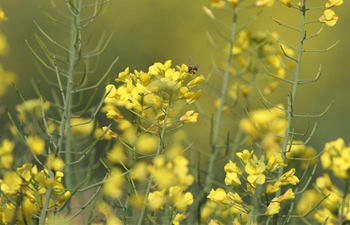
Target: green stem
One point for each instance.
(291, 102)
(220, 111)
(150, 180)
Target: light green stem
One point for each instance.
(220, 111)
(65, 134)
(74, 49)
(292, 97)
(150, 180)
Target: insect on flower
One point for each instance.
(192, 69)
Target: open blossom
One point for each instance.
(273, 208)
(329, 18)
(189, 117)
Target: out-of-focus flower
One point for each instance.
(156, 200)
(286, 2)
(217, 4)
(114, 184)
(6, 156)
(36, 145)
(332, 3)
(336, 156)
(147, 143)
(179, 199)
(208, 12)
(262, 3)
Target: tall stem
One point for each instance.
(292, 95)
(150, 180)
(220, 111)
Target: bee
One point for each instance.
(192, 69)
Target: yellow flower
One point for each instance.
(113, 114)
(336, 157)
(82, 126)
(299, 150)
(6, 157)
(112, 93)
(63, 198)
(274, 163)
(234, 198)
(232, 179)
(261, 3)
(136, 201)
(217, 195)
(245, 155)
(273, 208)
(329, 18)
(217, 4)
(32, 106)
(178, 218)
(286, 2)
(322, 215)
(124, 76)
(179, 199)
(195, 81)
(146, 143)
(2, 16)
(332, 3)
(55, 163)
(117, 154)
(36, 145)
(114, 184)
(256, 172)
(189, 117)
(286, 196)
(6, 77)
(162, 173)
(308, 200)
(106, 210)
(324, 182)
(288, 178)
(270, 189)
(231, 167)
(156, 200)
(139, 171)
(12, 182)
(233, 3)
(213, 222)
(3, 50)
(194, 97)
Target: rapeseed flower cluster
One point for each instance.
(24, 193)
(150, 96)
(257, 172)
(154, 99)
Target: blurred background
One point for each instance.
(148, 31)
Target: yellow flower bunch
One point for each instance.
(24, 193)
(336, 156)
(151, 94)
